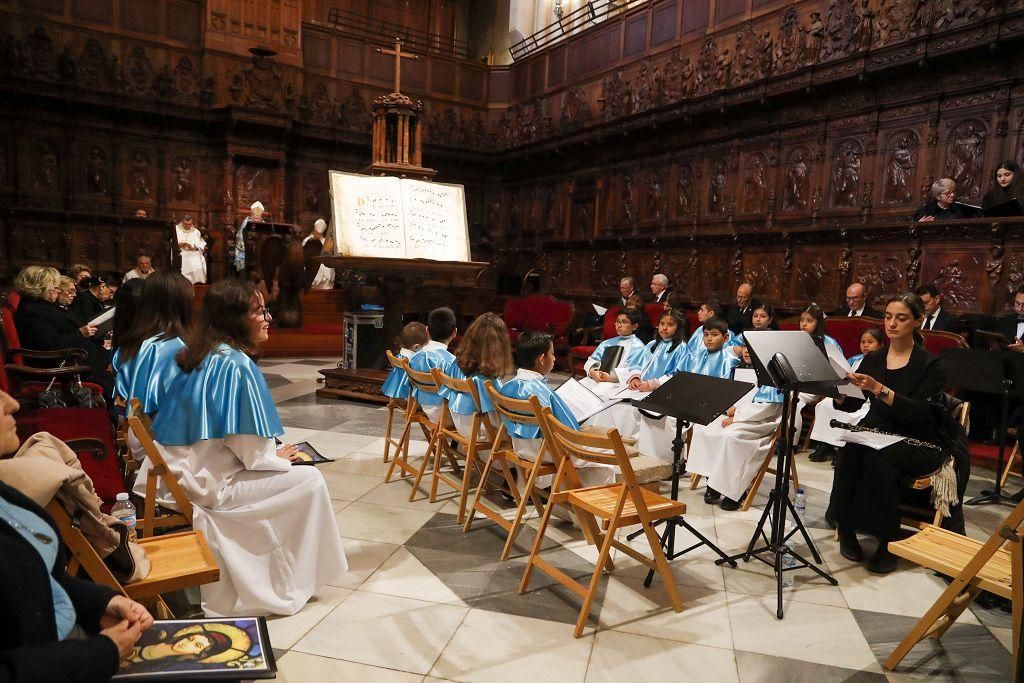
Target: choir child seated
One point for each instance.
(633, 352)
(441, 328)
(484, 353)
(716, 360)
(812, 321)
(709, 309)
(730, 449)
(668, 355)
(535, 357)
(412, 339)
(763, 319)
(270, 525)
(823, 433)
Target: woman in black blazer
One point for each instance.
(30, 649)
(44, 326)
(904, 385)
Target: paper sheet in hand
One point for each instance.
(628, 394)
(870, 439)
(600, 310)
(582, 402)
(842, 368)
(104, 322)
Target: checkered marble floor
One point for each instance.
(424, 602)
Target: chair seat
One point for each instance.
(948, 553)
(600, 501)
(179, 560)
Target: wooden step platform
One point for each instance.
(361, 385)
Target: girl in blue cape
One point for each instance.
(633, 351)
(270, 525)
(669, 355)
(729, 450)
(484, 353)
(144, 362)
(414, 336)
(535, 356)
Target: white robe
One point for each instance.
(324, 278)
(193, 263)
(730, 456)
(270, 525)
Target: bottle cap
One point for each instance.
(800, 490)
(122, 496)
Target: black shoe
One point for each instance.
(822, 453)
(883, 562)
(728, 504)
(849, 546)
(711, 496)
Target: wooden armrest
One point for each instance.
(45, 373)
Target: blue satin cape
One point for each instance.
(226, 394)
(664, 362)
(636, 353)
(425, 360)
(717, 364)
(149, 374)
(397, 383)
(460, 402)
(523, 388)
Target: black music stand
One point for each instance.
(794, 365)
(689, 398)
(999, 373)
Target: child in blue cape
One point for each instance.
(413, 338)
(441, 327)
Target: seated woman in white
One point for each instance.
(823, 433)
(729, 450)
(270, 525)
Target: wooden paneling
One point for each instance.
(442, 77)
(696, 14)
(729, 9)
(636, 35)
(316, 51)
(556, 67)
(97, 11)
(663, 23)
(184, 21)
(471, 82)
(141, 15)
(350, 58)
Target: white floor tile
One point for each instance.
(382, 523)
(619, 657)
(348, 486)
(298, 667)
(405, 576)
(364, 557)
(286, 631)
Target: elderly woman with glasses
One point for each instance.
(942, 206)
(270, 524)
(44, 326)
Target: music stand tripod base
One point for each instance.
(676, 399)
(795, 365)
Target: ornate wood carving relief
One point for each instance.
(965, 158)
(901, 154)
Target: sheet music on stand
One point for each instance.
(581, 401)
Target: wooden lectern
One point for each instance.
(397, 151)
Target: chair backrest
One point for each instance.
(463, 386)
(393, 360)
(608, 329)
(10, 330)
(512, 409)
(600, 448)
(420, 381)
(81, 550)
(848, 331)
(141, 427)
(936, 342)
(653, 312)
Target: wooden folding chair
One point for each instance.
(503, 452)
(414, 415)
(423, 383)
(622, 504)
(180, 560)
(451, 443)
(154, 516)
(394, 404)
(974, 566)
(1014, 458)
(924, 483)
(766, 467)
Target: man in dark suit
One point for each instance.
(663, 293)
(741, 316)
(857, 304)
(1011, 325)
(935, 316)
(627, 288)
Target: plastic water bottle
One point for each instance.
(125, 511)
(800, 503)
(788, 561)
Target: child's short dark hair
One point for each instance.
(413, 334)
(876, 333)
(635, 315)
(529, 346)
(441, 323)
(716, 308)
(716, 323)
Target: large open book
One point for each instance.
(388, 217)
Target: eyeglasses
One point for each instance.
(262, 311)
(948, 193)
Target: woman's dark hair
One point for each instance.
(770, 312)
(916, 306)
(223, 319)
(876, 333)
(1015, 190)
(530, 345)
(484, 349)
(164, 311)
(682, 331)
(127, 306)
(219, 643)
(814, 310)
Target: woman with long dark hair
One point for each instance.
(903, 383)
(484, 353)
(270, 524)
(1007, 185)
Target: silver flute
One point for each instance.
(836, 424)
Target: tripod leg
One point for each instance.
(803, 531)
(705, 541)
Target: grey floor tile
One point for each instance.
(755, 668)
(965, 653)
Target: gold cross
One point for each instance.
(397, 52)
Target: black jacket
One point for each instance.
(45, 326)
(1007, 326)
(740, 321)
(932, 208)
(868, 312)
(86, 306)
(945, 322)
(29, 649)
